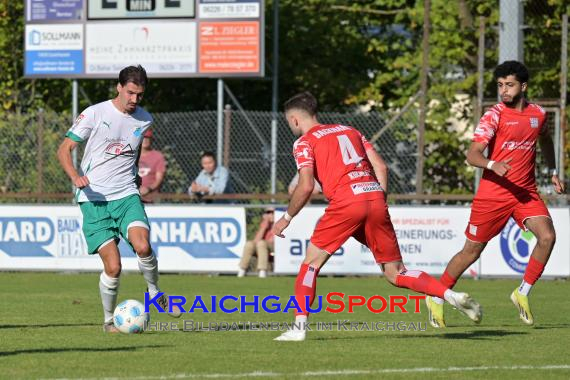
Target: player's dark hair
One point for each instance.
(511, 68)
(133, 74)
(208, 154)
(305, 101)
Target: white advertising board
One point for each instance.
(164, 47)
(428, 237)
(54, 48)
(185, 239)
(508, 253)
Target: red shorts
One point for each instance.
(367, 221)
(489, 216)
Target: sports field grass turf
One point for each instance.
(50, 327)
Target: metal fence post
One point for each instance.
(40, 160)
(423, 98)
(227, 132)
(563, 89)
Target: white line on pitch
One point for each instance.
(347, 372)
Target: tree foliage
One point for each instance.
(362, 54)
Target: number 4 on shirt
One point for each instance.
(349, 155)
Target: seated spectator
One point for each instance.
(152, 168)
(293, 184)
(261, 245)
(213, 179)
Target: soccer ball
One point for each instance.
(129, 317)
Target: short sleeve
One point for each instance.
(82, 127)
(544, 126)
(365, 142)
(487, 127)
(303, 153)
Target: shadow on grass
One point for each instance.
(47, 325)
(468, 335)
(480, 334)
(76, 349)
(548, 326)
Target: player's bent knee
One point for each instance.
(113, 270)
(547, 239)
(142, 248)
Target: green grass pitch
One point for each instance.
(50, 327)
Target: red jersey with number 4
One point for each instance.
(510, 133)
(337, 154)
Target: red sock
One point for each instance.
(420, 282)
(447, 280)
(533, 271)
(306, 285)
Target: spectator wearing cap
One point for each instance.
(152, 168)
(261, 245)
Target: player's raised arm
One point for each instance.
(379, 166)
(475, 157)
(547, 148)
(64, 157)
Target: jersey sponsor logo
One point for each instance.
(108, 125)
(358, 174)
(516, 246)
(534, 122)
(512, 123)
(365, 187)
(327, 131)
(118, 149)
(518, 145)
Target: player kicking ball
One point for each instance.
(107, 192)
(355, 179)
(507, 189)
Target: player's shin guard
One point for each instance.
(447, 280)
(420, 282)
(306, 285)
(533, 271)
(149, 268)
(108, 287)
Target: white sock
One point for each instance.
(149, 268)
(438, 300)
(525, 288)
(241, 272)
(108, 287)
(300, 322)
(449, 295)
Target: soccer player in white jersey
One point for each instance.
(107, 191)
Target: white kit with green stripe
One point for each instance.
(113, 141)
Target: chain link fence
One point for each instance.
(247, 147)
(29, 166)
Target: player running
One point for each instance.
(507, 189)
(107, 192)
(354, 178)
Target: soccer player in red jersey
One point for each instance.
(354, 178)
(507, 189)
